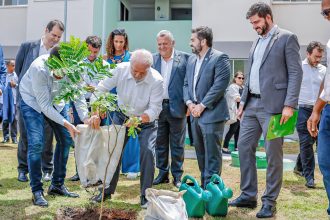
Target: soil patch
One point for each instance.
(69, 213)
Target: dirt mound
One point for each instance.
(94, 213)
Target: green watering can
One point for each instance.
(218, 205)
(195, 197)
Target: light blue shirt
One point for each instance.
(38, 89)
(258, 54)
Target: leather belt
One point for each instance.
(306, 106)
(255, 95)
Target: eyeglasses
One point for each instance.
(240, 77)
(325, 12)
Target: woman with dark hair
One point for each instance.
(117, 47)
(117, 52)
(233, 97)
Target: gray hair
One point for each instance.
(142, 56)
(166, 33)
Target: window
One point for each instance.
(13, 2)
(295, 1)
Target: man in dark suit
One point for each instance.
(171, 64)
(27, 53)
(207, 77)
(272, 87)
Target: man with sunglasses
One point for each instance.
(323, 103)
(272, 87)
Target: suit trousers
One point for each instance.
(207, 142)
(306, 142)
(170, 135)
(147, 138)
(254, 123)
(47, 152)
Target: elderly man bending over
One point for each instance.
(140, 92)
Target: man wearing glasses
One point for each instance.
(323, 102)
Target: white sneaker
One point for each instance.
(132, 176)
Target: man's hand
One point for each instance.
(93, 121)
(198, 110)
(145, 118)
(191, 107)
(239, 112)
(312, 123)
(0, 92)
(286, 114)
(12, 84)
(71, 128)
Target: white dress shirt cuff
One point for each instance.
(188, 102)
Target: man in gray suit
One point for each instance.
(272, 87)
(171, 64)
(27, 53)
(207, 78)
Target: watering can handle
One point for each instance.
(192, 179)
(216, 177)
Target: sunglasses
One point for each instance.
(325, 12)
(240, 77)
(119, 31)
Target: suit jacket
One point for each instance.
(178, 108)
(212, 82)
(280, 73)
(27, 53)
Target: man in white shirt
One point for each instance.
(313, 75)
(8, 100)
(27, 53)
(38, 88)
(140, 93)
(323, 102)
(171, 64)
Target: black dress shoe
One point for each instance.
(98, 198)
(47, 177)
(22, 177)
(161, 179)
(243, 203)
(310, 184)
(267, 211)
(143, 202)
(177, 182)
(39, 199)
(74, 178)
(61, 191)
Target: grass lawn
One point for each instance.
(295, 200)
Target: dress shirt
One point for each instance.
(166, 70)
(258, 54)
(199, 62)
(325, 95)
(11, 77)
(38, 89)
(135, 97)
(42, 49)
(310, 85)
(91, 82)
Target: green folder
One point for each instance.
(276, 130)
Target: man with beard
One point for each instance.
(323, 103)
(313, 74)
(272, 87)
(207, 77)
